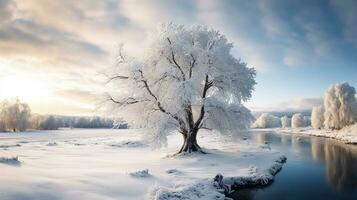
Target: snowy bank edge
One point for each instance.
(206, 189)
(344, 135)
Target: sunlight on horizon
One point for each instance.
(25, 88)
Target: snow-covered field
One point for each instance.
(347, 134)
(117, 164)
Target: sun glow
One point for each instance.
(23, 87)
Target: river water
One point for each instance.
(316, 168)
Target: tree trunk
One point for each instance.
(190, 143)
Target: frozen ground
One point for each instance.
(117, 164)
(347, 134)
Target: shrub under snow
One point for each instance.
(267, 121)
(317, 117)
(10, 160)
(297, 121)
(285, 122)
(340, 106)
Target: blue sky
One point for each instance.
(52, 52)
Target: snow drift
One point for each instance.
(209, 189)
(99, 171)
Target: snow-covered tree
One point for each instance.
(317, 117)
(3, 115)
(187, 80)
(15, 115)
(340, 106)
(285, 122)
(267, 120)
(297, 121)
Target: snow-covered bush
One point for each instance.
(186, 80)
(317, 117)
(285, 122)
(297, 121)
(340, 106)
(267, 120)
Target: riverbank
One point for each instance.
(108, 164)
(317, 168)
(347, 135)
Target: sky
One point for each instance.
(53, 53)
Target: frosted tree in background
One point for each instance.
(340, 106)
(267, 120)
(317, 117)
(285, 122)
(15, 115)
(187, 80)
(297, 121)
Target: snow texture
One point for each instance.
(267, 120)
(347, 134)
(98, 171)
(210, 189)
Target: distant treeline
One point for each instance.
(16, 116)
(53, 122)
(289, 114)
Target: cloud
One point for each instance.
(6, 11)
(293, 105)
(82, 96)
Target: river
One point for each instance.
(316, 168)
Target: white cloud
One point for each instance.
(293, 105)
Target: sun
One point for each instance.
(26, 88)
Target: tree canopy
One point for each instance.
(187, 80)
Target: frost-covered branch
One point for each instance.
(158, 103)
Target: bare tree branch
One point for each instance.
(127, 101)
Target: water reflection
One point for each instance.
(338, 160)
(341, 165)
